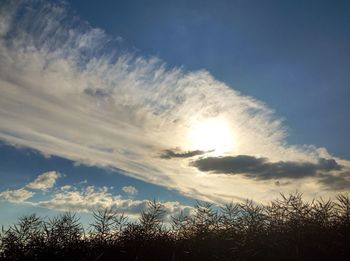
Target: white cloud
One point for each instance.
(86, 199)
(131, 190)
(66, 187)
(44, 181)
(92, 198)
(63, 94)
(16, 196)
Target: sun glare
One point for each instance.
(211, 134)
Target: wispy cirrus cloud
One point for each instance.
(65, 93)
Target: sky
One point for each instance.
(114, 103)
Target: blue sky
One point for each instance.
(177, 101)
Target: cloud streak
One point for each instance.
(261, 168)
(169, 154)
(65, 93)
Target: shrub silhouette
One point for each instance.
(287, 228)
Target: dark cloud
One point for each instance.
(261, 168)
(280, 183)
(169, 154)
(97, 92)
(336, 182)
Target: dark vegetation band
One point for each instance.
(285, 229)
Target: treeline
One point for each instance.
(285, 229)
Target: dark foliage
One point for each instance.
(285, 229)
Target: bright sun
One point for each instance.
(211, 134)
